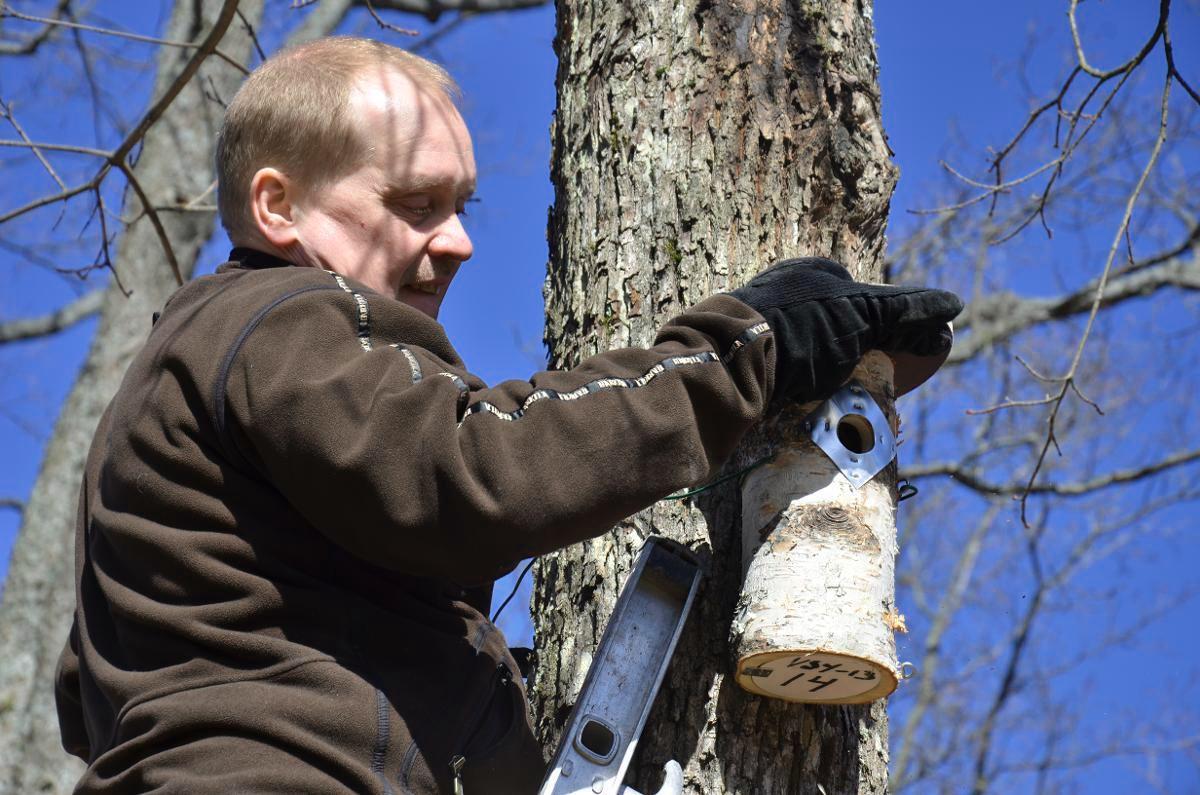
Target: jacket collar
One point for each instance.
(252, 259)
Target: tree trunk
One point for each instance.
(694, 144)
(39, 595)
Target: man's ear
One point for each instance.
(273, 207)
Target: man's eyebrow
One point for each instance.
(418, 183)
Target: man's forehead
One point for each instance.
(386, 96)
(384, 89)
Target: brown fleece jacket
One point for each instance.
(293, 511)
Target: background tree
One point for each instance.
(1070, 477)
(175, 136)
(696, 143)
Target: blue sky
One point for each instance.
(951, 75)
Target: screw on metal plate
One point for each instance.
(853, 431)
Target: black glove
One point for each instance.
(824, 322)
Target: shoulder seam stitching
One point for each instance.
(219, 389)
(602, 384)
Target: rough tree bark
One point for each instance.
(175, 164)
(696, 142)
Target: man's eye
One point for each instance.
(462, 208)
(419, 210)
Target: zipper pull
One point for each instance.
(456, 766)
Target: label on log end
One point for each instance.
(815, 677)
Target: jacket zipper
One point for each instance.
(502, 677)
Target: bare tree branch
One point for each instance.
(7, 11)
(979, 483)
(1164, 7)
(253, 35)
(48, 200)
(6, 111)
(12, 504)
(1133, 749)
(932, 652)
(1131, 202)
(26, 328)
(117, 158)
(36, 146)
(1016, 653)
(203, 50)
(30, 45)
(321, 21)
(387, 25)
(155, 221)
(98, 106)
(998, 317)
(1174, 70)
(432, 9)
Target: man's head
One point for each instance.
(349, 154)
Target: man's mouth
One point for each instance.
(425, 296)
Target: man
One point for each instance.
(296, 505)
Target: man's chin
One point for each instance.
(426, 303)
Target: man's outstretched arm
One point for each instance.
(413, 464)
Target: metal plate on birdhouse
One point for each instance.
(815, 677)
(854, 432)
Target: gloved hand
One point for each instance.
(824, 322)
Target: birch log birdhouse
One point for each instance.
(817, 616)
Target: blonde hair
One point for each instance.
(292, 114)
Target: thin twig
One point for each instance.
(7, 11)
(253, 36)
(8, 114)
(1173, 70)
(192, 205)
(47, 200)
(1164, 7)
(105, 240)
(36, 145)
(387, 25)
(1103, 282)
(1039, 376)
(155, 221)
(31, 44)
(1013, 404)
(98, 106)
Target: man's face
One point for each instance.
(394, 223)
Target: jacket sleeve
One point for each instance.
(68, 700)
(414, 465)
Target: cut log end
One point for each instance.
(815, 676)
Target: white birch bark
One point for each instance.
(816, 618)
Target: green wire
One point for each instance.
(684, 495)
(680, 496)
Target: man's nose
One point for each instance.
(451, 241)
